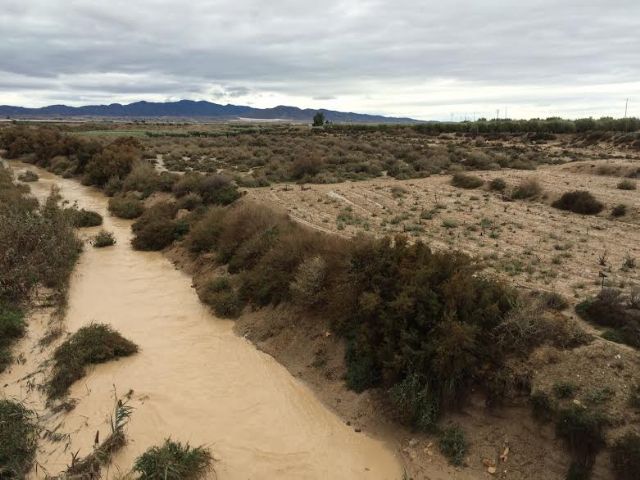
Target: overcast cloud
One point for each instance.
(426, 59)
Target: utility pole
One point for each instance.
(626, 122)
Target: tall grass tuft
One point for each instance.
(174, 461)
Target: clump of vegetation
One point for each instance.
(116, 160)
(453, 445)
(565, 389)
(554, 301)
(579, 201)
(528, 326)
(39, 243)
(612, 310)
(406, 312)
(583, 432)
(104, 239)
(464, 180)
(126, 206)
(12, 327)
(28, 176)
(90, 466)
(219, 293)
(145, 179)
(212, 189)
(543, 407)
(309, 281)
(627, 184)
(156, 228)
(625, 457)
(18, 440)
(82, 218)
(619, 210)
(497, 185)
(527, 189)
(174, 461)
(95, 343)
(634, 397)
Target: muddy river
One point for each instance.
(193, 380)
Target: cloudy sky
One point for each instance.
(421, 58)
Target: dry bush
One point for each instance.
(527, 189)
(627, 184)
(38, 246)
(115, 160)
(463, 180)
(144, 178)
(126, 206)
(528, 327)
(309, 281)
(579, 201)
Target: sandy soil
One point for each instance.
(529, 242)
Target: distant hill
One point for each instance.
(188, 109)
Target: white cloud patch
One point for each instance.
(417, 58)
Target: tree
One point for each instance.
(318, 119)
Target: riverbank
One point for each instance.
(194, 379)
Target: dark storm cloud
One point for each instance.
(371, 54)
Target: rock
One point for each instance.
(505, 455)
(488, 462)
(491, 470)
(413, 442)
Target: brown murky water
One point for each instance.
(193, 379)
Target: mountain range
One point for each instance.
(195, 110)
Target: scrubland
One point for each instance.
(453, 269)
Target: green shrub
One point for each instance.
(579, 201)
(104, 239)
(497, 185)
(463, 180)
(82, 218)
(565, 389)
(156, 228)
(174, 461)
(219, 294)
(204, 234)
(527, 189)
(18, 440)
(625, 457)
(12, 327)
(453, 445)
(95, 343)
(28, 176)
(583, 432)
(126, 206)
(608, 309)
(413, 403)
(627, 184)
